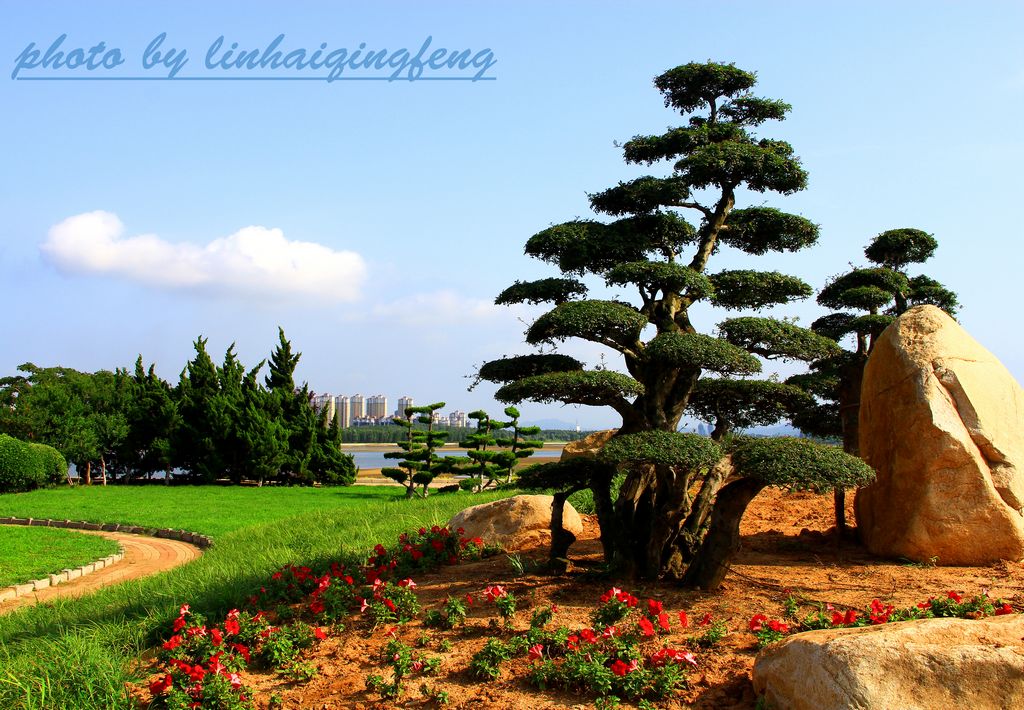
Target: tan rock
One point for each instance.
(942, 423)
(515, 523)
(912, 665)
(588, 446)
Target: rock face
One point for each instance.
(588, 446)
(942, 423)
(515, 523)
(913, 665)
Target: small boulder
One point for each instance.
(515, 523)
(942, 424)
(912, 665)
(589, 446)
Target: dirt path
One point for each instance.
(143, 556)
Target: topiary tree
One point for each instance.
(419, 463)
(659, 257)
(782, 462)
(21, 467)
(864, 301)
(518, 446)
(482, 466)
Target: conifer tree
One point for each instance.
(518, 446)
(864, 301)
(657, 526)
(483, 466)
(419, 463)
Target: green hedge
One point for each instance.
(25, 466)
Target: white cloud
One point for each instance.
(253, 261)
(431, 309)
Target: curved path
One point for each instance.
(143, 556)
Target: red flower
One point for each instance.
(1004, 609)
(161, 685)
(416, 554)
(184, 609)
(423, 531)
(495, 591)
(610, 632)
(243, 650)
(572, 642)
(232, 626)
(837, 619)
(684, 621)
(614, 592)
(217, 636)
(319, 632)
(469, 599)
(646, 627)
(417, 666)
(619, 668)
(654, 607)
(756, 622)
(172, 643)
(778, 626)
(536, 652)
(588, 635)
(666, 655)
(955, 597)
(663, 621)
(407, 583)
(317, 607)
(180, 623)
(389, 604)
(706, 619)
(850, 618)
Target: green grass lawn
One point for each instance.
(78, 653)
(212, 510)
(31, 553)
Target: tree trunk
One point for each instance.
(103, 470)
(636, 554)
(702, 505)
(88, 473)
(561, 538)
(605, 510)
(711, 563)
(851, 378)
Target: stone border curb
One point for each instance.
(20, 590)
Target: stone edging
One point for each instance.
(20, 590)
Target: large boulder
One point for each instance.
(515, 523)
(913, 665)
(587, 447)
(942, 423)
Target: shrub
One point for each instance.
(54, 465)
(21, 467)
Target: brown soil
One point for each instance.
(787, 549)
(142, 556)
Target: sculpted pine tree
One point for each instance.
(864, 302)
(419, 463)
(519, 446)
(650, 250)
(484, 464)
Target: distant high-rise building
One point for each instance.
(403, 404)
(457, 419)
(377, 406)
(358, 405)
(343, 411)
(322, 402)
(438, 418)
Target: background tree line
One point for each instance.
(218, 422)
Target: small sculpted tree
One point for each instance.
(483, 466)
(419, 464)
(518, 446)
(662, 260)
(864, 302)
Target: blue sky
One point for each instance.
(421, 195)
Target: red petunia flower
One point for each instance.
(777, 626)
(646, 627)
(319, 632)
(536, 652)
(1004, 609)
(757, 622)
(663, 622)
(654, 607)
(955, 597)
(684, 620)
(172, 643)
(161, 685)
(619, 668)
(706, 619)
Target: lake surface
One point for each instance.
(375, 459)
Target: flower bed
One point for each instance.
(626, 647)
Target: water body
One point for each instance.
(375, 459)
